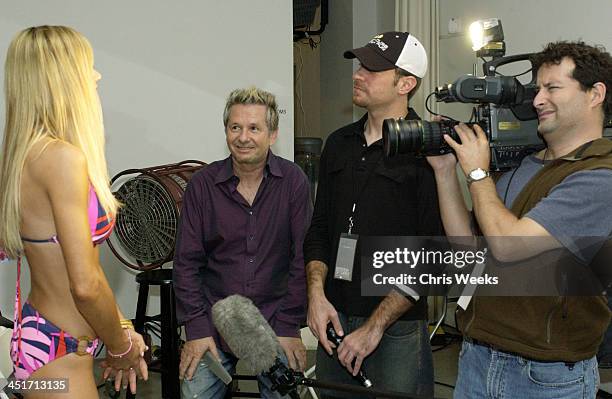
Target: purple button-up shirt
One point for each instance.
(226, 246)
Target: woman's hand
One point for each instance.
(127, 368)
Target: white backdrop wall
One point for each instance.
(166, 71)
(369, 19)
(352, 23)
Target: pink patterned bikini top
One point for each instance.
(100, 223)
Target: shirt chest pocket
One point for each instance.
(340, 184)
(391, 175)
(389, 181)
(391, 187)
(401, 175)
(337, 166)
(339, 175)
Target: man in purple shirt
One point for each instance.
(242, 227)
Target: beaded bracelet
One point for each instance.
(120, 355)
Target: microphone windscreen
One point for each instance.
(246, 332)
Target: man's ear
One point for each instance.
(273, 136)
(598, 93)
(406, 84)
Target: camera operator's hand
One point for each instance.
(446, 163)
(474, 151)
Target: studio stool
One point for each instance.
(170, 356)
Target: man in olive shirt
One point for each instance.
(558, 201)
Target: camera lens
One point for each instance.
(417, 137)
(401, 136)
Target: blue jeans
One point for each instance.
(402, 361)
(605, 350)
(206, 385)
(487, 373)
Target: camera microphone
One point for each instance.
(337, 340)
(252, 340)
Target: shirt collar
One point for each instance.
(272, 167)
(358, 127)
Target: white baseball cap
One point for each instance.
(390, 50)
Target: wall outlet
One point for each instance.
(455, 25)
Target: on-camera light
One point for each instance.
(487, 37)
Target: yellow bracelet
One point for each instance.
(126, 324)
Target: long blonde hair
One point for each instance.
(50, 93)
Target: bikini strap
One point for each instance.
(53, 239)
(17, 317)
(19, 288)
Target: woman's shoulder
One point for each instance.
(58, 151)
(56, 159)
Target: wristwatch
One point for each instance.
(476, 175)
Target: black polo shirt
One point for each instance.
(393, 196)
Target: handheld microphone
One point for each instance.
(217, 368)
(246, 332)
(337, 340)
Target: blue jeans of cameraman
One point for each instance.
(487, 373)
(206, 385)
(605, 350)
(402, 361)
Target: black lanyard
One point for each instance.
(357, 196)
(410, 116)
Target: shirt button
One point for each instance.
(251, 237)
(363, 158)
(250, 212)
(250, 260)
(363, 145)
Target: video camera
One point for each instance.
(504, 111)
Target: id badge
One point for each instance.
(469, 289)
(346, 256)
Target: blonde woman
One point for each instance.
(56, 206)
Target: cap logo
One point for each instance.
(381, 45)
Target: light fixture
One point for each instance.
(488, 38)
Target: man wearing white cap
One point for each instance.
(361, 192)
